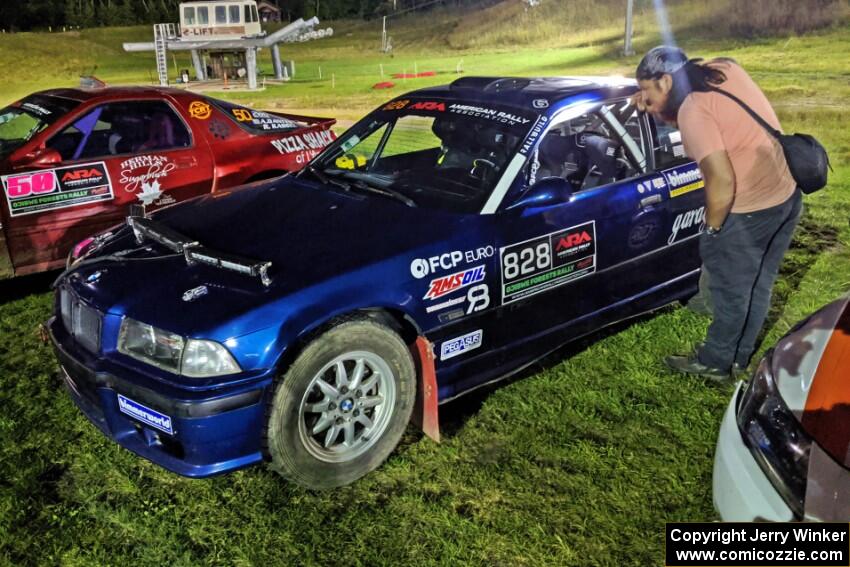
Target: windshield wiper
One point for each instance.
(384, 191)
(326, 179)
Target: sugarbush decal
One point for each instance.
(139, 171)
(41, 191)
(548, 261)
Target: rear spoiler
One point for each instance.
(326, 123)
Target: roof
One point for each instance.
(524, 91)
(84, 95)
(266, 5)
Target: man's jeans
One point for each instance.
(743, 261)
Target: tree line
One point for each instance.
(26, 15)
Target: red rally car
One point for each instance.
(72, 161)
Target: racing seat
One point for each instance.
(560, 156)
(160, 133)
(603, 164)
(456, 144)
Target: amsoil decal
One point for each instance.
(548, 261)
(682, 182)
(461, 345)
(440, 287)
(41, 191)
(144, 175)
(687, 224)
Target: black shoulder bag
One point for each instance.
(806, 157)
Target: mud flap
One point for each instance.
(426, 410)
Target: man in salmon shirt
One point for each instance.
(752, 203)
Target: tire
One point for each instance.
(321, 436)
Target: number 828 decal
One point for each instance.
(545, 262)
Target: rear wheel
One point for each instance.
(342, 406)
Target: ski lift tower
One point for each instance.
(224, 30)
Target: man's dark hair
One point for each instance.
(688, 75)
(693, 76)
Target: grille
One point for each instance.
(80, 320)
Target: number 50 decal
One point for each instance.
(24, 185)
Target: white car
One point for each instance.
(782, 453)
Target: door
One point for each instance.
(598, 248)
(113, 155)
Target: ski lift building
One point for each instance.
(221, 19)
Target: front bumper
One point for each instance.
(213, 433)
(742, 493)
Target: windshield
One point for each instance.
(436, 153)
(26, 118)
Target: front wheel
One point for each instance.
(342, 406)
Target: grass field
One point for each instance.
(579, 463)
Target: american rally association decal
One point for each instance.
(46, 190)
(145, 176)
(548, 261)
(682, 182)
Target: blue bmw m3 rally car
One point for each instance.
(448, 239)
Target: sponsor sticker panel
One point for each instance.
(683, 181)
(461, 345)
(548, 261)
(145, 414)
(686, 225)
(46, 190)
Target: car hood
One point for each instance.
(314, 237)
(811, 367)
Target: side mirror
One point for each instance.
(547, 191)
(42, 158)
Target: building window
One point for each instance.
(234, 14)
(221, 14)
(188, 16)
(203, 15)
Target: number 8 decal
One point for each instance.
(479, 298)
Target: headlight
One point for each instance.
(151, 345)
(207, 358)
(193, 358)
(775, 437)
